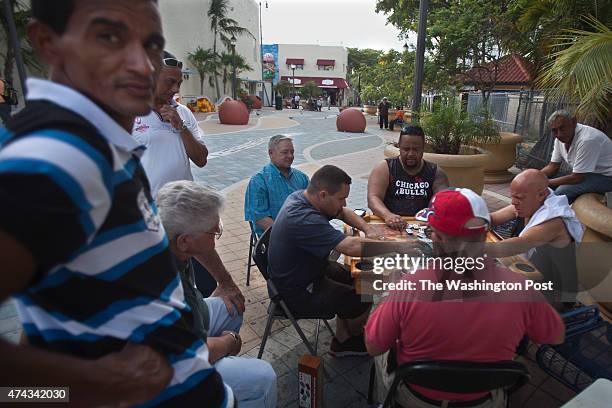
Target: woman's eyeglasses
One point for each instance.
(173, 62)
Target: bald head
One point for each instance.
(531, 179)
(529, 189)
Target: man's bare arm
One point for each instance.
(573, 178)
(265, 222)
(503, 215)
(378, 182)
(226, 288)
(541, 234)
(196, 151)
(551, 169)
(134, 375)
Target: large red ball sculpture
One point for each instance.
(233, 113)
(351, 120)
(257, 102)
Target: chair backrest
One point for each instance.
(459, 376)
(260, 254)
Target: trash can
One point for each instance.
(279, 102)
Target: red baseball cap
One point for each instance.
(451, 210)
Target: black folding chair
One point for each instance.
(252, 242)
(463, 377)
(278, 309)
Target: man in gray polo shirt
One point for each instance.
(587, 150)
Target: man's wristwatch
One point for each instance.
(183, 127)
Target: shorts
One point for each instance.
(333, 293)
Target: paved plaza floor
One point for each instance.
(236, 153)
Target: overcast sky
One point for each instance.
(351, 23)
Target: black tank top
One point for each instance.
(407, 194)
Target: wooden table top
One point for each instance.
(516, 263)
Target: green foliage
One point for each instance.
(206, 63)
(224, 28)
(227, 62)
(310, 89)
(382, 74)
(448, 128)
(283, 87)
(582, 71)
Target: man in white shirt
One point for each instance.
(587, 150)
(170, 132)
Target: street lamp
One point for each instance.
(293, 66)
(233, 44)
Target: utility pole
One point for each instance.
(420, 60)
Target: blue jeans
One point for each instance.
(253, 381)
(592, 183)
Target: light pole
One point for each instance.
(420, 56)
(9, 11)
(233, 44)
(406, 48)
(263, 84)
(293, 66)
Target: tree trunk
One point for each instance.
(201, 85)
(216, 76)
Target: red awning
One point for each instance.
(321, 82)
(326, 62)
(296, 61)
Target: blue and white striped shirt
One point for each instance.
(72, 191)
(268, 190)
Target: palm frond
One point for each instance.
(582, 70)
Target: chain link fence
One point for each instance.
(524, 113)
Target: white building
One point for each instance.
(186, 26)
(324, 65)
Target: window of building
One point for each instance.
(326, 67)
(297, 66)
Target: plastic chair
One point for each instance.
(278, 309)
(459, 377)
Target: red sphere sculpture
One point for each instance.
(233, 113)
(351, 120)
(257, 102)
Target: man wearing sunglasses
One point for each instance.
(172, 138)
(170, 132)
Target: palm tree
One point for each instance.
(227, 62)
(224, 28)
(582, 71)
(206, 63)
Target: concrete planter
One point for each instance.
(503, 156)
(391, 114)
(594, 257)
(370, 109)
(464, 170)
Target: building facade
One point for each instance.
(324, 65)
(186, 27)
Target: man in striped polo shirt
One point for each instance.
(82, 247)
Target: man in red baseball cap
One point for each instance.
(482, 327)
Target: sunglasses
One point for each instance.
(173, 62)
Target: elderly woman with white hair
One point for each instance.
(190, 214)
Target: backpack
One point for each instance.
(10, 94)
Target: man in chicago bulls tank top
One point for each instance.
(404, 185)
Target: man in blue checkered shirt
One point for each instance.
(269, 188)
